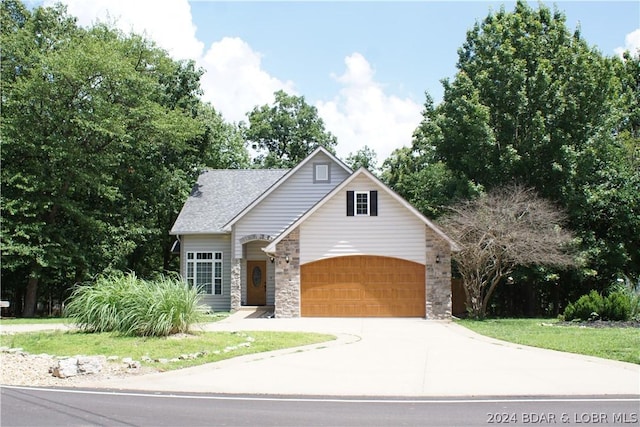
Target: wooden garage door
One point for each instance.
(362, 286)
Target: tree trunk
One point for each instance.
(31, 296)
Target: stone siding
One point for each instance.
(287, 275)
(438, 276)
(236, 284)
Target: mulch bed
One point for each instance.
(603, 324)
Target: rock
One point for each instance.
(134, 364)
(66, 368)
(146, 359)
(72, 366)
(90, 364)
(112, 358)
(130, 363)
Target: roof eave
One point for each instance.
(191, 232)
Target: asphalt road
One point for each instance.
(70, 407)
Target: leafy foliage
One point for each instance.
(103, 135)
(286, 132)
(588, 307)
(533, 104)
(618, 305)
(363, 158)
(130, 306)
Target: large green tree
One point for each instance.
(365, 157)
(101, 137)
(419, 176)
(286, 132)
(532, 103)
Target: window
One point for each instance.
(204, 270)
(362, 203)
(321, 172)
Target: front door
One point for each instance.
(256, 282)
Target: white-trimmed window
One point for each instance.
(204, 271)
(362, 203)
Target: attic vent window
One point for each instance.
(321, 172)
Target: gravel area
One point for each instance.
(20, 368)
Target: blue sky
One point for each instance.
(364, 65)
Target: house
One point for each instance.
(316, 240)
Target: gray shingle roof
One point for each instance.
(219, 195)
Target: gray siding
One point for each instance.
(395, 232)
(211, 243)
(288, 202)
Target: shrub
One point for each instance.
(588, 307)
(620, 305)
(617, 306)
(122, 303)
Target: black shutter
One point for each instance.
(350, 203)
(373, 203)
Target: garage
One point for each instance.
(362, 286)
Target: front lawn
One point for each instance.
(610, 343)
(207, 346)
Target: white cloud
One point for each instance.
(363, 114)
(167, 22)
(235, 81)
(631, 43)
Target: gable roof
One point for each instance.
(362, 171)
(291, 172)
(219, 195)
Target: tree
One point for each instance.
(533, 104)
(289, 130)
(419, 176)
(506, 228)
(363, 158)
(92, 127)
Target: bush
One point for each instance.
(588, 307)
(122, 303)
(620, 305)
(617, 306)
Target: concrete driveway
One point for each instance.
(394, 357)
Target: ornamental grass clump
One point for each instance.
(125, 304)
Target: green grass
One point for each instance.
(610, 343)
(121, 302)
(213, 343)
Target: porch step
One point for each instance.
(255, 312)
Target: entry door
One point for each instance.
(256, 282)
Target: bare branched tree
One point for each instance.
(508, 227)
